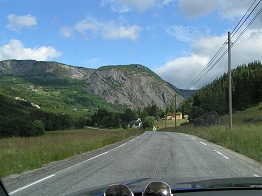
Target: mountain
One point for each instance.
(41, 69)
(184, 93)
(134, 85)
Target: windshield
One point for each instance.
(101, 92)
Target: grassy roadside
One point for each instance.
(21, 154)
(244, 138)
(167, 123)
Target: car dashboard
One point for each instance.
(160, 188)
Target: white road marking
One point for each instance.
(193, 138)
(24, 187)
(221, 154)
(93, 157)
(120, 146)
(66, 168)
(100, 154)
(256, 175)
(203, 143)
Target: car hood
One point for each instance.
(138, 185)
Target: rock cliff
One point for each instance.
(41, 68)
(133, 85)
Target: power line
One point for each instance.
(233, 32)
(208, 67)
(249, 24)
(205, 68)
(225, 52)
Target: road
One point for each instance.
(150, 155)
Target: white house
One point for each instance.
(135, 124)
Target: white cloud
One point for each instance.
(227, 9)
(197, 8)
(66, 31)
(85, 25)
(15, 49)
(181, 71)
(18, 22)
(167, 2)
(105, 2)
(113, 31)
(140, 5)
(92, 63)
(128, 5)
(181, 33)
(109, 30)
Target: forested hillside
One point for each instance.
(38, 96)
(30, 106)
(18, 117)
(246, 92)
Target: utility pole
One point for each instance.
(165, 118)
(175, 111)
(229, 81)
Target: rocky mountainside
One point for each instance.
(133, 85)
(44, 69)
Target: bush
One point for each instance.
(149, 122)
(38, 128)
(8, 128)
(80, 122)
(184, 123)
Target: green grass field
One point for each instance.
(244, 138)
(167, 123)
(21, 154)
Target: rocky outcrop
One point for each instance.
(133, 85)
(42, 68)
(253, 119)
(209, 119)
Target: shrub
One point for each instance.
(148, 122)
(38, 128)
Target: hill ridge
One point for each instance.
(134, 85)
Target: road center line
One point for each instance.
(193, 138)
(221, 154)
(24, 187)
(203, 143)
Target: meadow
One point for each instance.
(159, 124)
(244, 138)
(21, 154)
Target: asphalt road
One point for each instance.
(150, 155)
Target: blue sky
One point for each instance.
(174, 38)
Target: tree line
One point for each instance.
(20, 119)
(246, 92)
(106, 119)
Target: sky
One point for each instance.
(174, 38)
